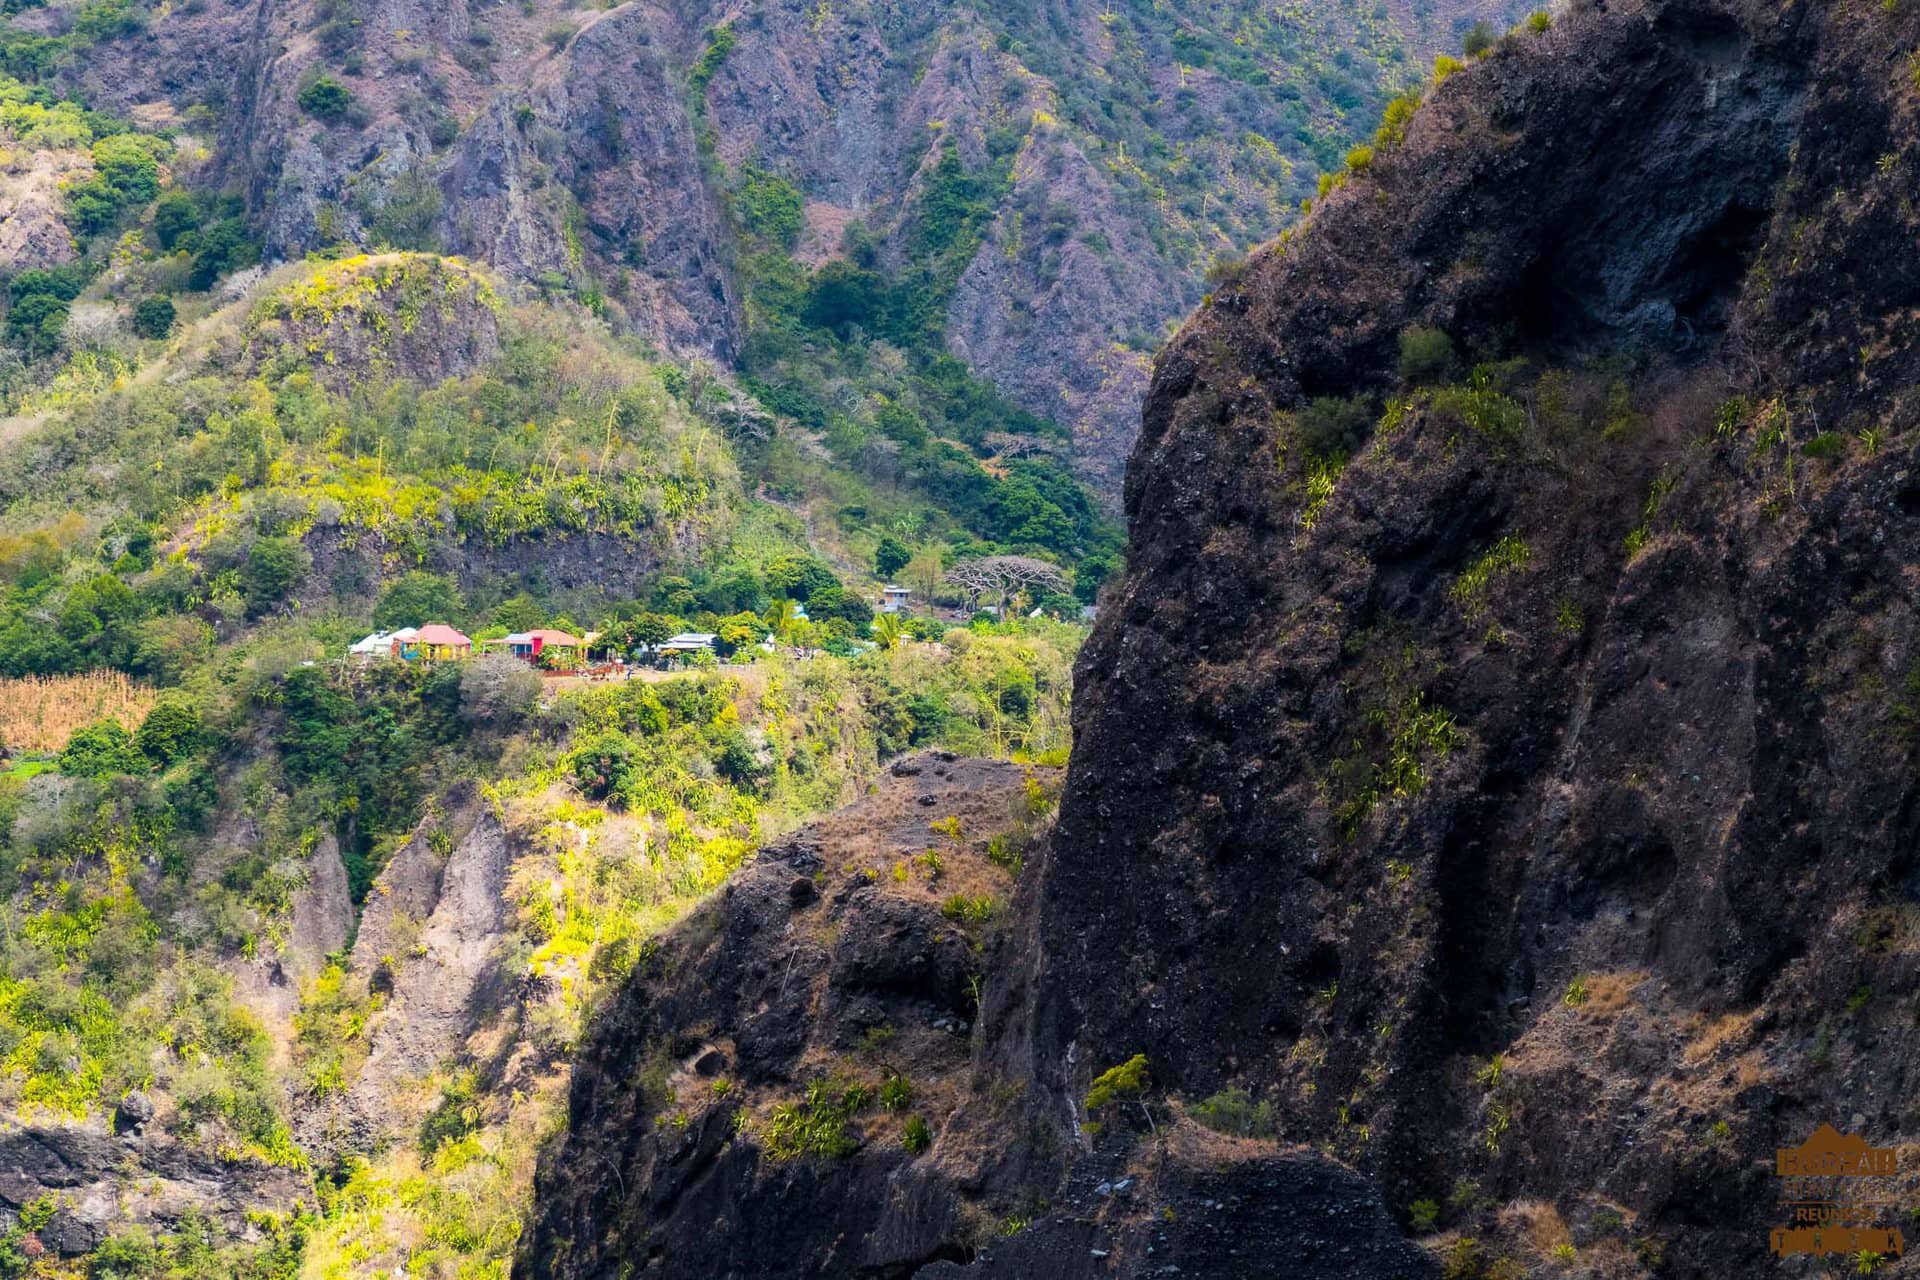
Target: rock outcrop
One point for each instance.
(106, 1182)
(714, 1086)
(1065, 264)
(1530, 802)
(320, 924)
(420, 316)
(32, 231)
(791, 1086)
(429, 935)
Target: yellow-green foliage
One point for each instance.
(916, 1136)
(816, 1125)
(1509, 555)
(965, 910)
(1569, 615)
(63, 125)
(585, 902)
(594, 444)
(1397, 743)
(562, 436)
(1396, 117)
(1393, 419)
(1421, 734)
(456, 1213)
(61, 1041)
(1323, 473)
(567, 432)
(896, 1092)
(83, 1019)
(375, 294)
(331, 1030)
(1485, 409)
(87, 375)
(1127, 1081)
(1642, 533)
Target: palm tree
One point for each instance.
(782, 616)
(888, 630)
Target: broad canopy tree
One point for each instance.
(1005, 577)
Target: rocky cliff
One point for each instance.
(1531, 800)
(1497, 772)
(427, 946)
(776, 1084)
(600, 153)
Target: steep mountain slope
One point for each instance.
(822, 1004)
(299, 945)
(1568, 727)
(613, 152)
(1496, 771)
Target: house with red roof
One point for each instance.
(437, 641)
(529, 645)
(434, 642)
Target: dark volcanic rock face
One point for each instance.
(1524, 803)
(712, 1132)
(819, 969)
(1219, 1215)
(87, 1169)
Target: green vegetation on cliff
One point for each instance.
(258, 490)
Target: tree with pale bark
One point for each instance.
(1004, 577)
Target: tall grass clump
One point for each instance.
(39, 713)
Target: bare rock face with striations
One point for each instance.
(599, 153)
(632, 161)
(428, 945)
(1063, 266)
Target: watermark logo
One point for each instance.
(1837, 1190)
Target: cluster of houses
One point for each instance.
(554, 650)
(558, 650)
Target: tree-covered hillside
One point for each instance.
(235, 862)
(1041, 185)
